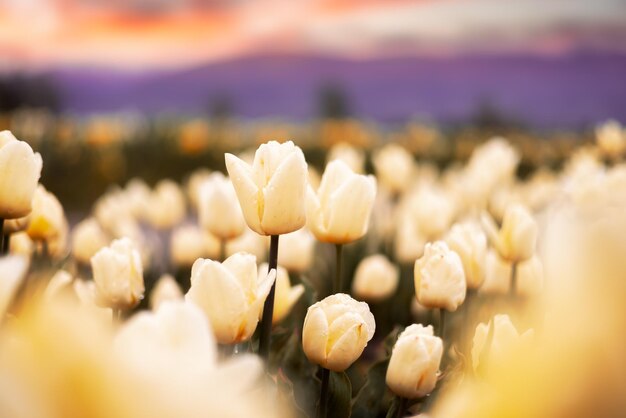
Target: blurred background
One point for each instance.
(172, 83)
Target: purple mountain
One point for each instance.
(567, 90)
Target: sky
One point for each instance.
(139, 34)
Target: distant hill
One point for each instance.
(566, 90)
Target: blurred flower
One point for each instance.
(47, 220)
(497, 275)
(60, 281)
(87, 294)
(439, 278)
(165, 290)
(249, 242)
(414, 362)
(189, 243)
(21, 169)
(231, 294)
(111, 209)
(469, 241)
(286, 295)
(118, 274)
(375, 279)
(194, 183)
(336, 331)
(166, 205)
(296, 251)
(21, 244)
(516, 239)
(352, 156)
(409, 242)
(432, 210)
(492, 345)
(218, 209)
(611, 139)
(14, 269)
(394, 167)
(11, 226)
(530, 277)
(137, 194)
(340, 211)
(272, 191)
(87, 239)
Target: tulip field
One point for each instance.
(317, 270)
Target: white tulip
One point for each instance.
(218, 209)
(189, 243)
(414, 362)
(271, 192)
(166, 206)
(87, 239)
(375, 279)
(165, 290)
(439, 278)
(118, 274)
(286, 295)
(395, 167)
(336, 331)
(231, 294)
(249, 242)
(469, 241)
(20, 169)
(339, 213)
(47, 219)
(516, 239)
(349, 154)
(296, 251)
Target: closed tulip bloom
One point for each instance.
(439, 278)
(20, 169)
(352, 156)
(271, 192)
(340, 211)
(497, 275)
(137, 195)
(296, 251)
(166, 206)
(231, 294)
(432, 210)
(47, 219)
(165, 290)
(336, 331)
(611, 139)
(375, 279)
(495, 347)
(218, 209)
(394, 167)
(249, 242)
(189, 243)
(414, 362)
(469, 241)
(517, 237)
(118, 274)
(87, 239)
(286, 295)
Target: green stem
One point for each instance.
(268, 307)
(403, 403)
(513, 288)
(338, 285)
(323, 406)
(442, 323)
(222, 250)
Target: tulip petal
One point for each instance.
(248, 193)
(243, 267)
(349, 209)
(314, 216)
(315, 335)
(348, 348)
(21, 169)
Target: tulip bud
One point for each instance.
(111, 209)
(516, 239)
(611, 139)
(218, 209)
(497, 275)
(194, 184)
(166, 206)
(470, 242)
(87, 239)
(137, 194)
(231, 294)
(21, 169)
(271, 192)
(47, 219)
(340, 211)
(118, 274)
(432, 210)
(249, 242)
(439, 278)
(296, 251)
(189, 243)
(495, 344)
(336, 331)
(375, 279)
(352, 156)
(414, 362)
(165, 290)
(286, 295)
(394, 167)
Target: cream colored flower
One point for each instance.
(166, 206)
(469, 241)
(414, 363)
(189, 243)
(340, 211)
(60, 281)
(231, 294)
(375, 279)
(516, 239)
(497, 275)
(47, 219)
(394, 166)
(20, 169)
(271, 192)
(118, 274)
(439, 278)
(87, 239)
(194, 183)
(611, 139)
(286, 295)
(249, 242)
(530, 277)
(218, 209)
(14, 269)
(165, 290)
(352, 156)
(296, 251)
(21, 244)
(336, 331)
(11, 226)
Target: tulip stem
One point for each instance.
(323, 406)
(338, 284)
(6, 243)
(442, 323)
(513, 288)
(222, 250)
(268, 307)
(402, 405)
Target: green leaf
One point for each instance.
(339, 396)
(370, 398)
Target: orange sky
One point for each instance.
(174, 33)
